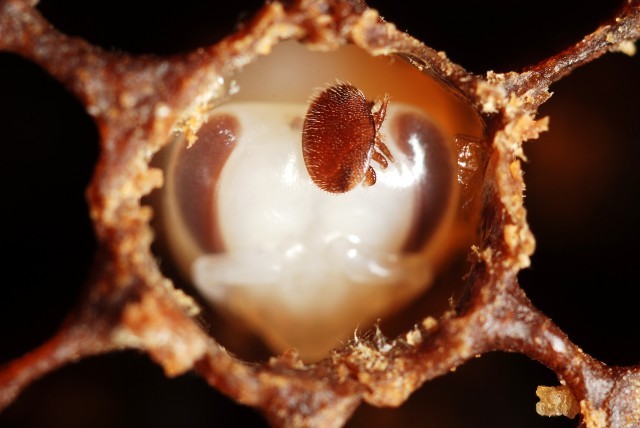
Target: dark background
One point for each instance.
(582, 180)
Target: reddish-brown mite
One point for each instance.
(340, 136)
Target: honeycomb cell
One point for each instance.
(249, 227)
(48, 242)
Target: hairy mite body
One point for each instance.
(340, 136)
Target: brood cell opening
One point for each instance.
(246, 226)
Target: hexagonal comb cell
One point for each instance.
(251, 219)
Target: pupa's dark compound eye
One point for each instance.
(340, 137)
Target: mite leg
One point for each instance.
(381, 113)
(378, 144)
(369, 177)
(377, 156)
(385, 150)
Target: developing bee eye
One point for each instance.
(267, 217)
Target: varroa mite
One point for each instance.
(340, 136)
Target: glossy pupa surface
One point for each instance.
(340, 137)
(277, 247)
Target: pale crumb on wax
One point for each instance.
(626, 47)
(556, 401)
(127, 99)
(414, 337)
(429, 322)
(187, 303)
(125, 338)
(162, 110)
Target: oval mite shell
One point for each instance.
(339, 137)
